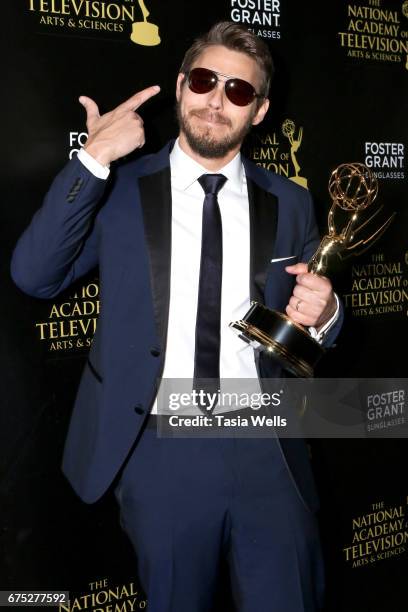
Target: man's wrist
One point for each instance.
(93, 165)
(99, 153)
(318, 334)
(329, 316)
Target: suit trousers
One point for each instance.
(190, 505)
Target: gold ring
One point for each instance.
(297, 305)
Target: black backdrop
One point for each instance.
(340, 90)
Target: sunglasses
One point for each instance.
(238, 91)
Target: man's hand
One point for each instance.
(118, 132)
(312, 303)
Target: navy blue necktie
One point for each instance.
(207, 338)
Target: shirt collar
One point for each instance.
(185, 170)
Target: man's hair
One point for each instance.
(236, 38)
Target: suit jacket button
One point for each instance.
(139, 409)
(155, 352)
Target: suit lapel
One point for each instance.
(155, 195)
(263, 216)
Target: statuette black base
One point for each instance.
(279, 336)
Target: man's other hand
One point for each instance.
(312, 303)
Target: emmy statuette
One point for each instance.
(353, 188)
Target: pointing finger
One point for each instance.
(139, 98)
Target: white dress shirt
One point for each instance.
(236, 357)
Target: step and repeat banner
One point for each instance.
(339, 95)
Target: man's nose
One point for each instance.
(216, 96)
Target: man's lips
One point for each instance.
(210, 117)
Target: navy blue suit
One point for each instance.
(125, 228)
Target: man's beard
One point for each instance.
(204, 141)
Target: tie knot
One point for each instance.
(212, 183)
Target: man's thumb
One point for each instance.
(299, 268)
(92, 110)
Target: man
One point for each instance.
(188, 503)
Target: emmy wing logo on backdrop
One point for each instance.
(289, 130)
(267, 149)
(143, 32)
(376, 31)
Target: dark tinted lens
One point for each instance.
(201, 80)
(239, 92)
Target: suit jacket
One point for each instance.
(125, 228)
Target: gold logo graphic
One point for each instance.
(143, 32)
(288, 130)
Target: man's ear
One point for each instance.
(261, 112)
(180, 79)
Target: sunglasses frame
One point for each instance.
(227, 79)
